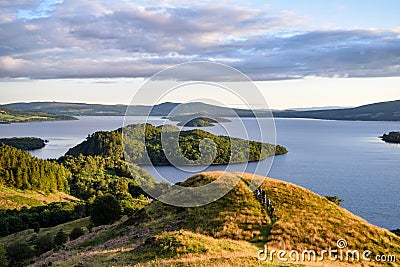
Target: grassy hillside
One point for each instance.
(228, 232)
(16, 199)
(385, 111)
(11, 115)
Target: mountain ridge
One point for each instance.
(381, 111)
(227, 232)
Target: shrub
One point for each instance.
(334, 199)
(3, 257)
(19, 252)
(105, 210)
(44, 243)
(76, 232)
(61, 238)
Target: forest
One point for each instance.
(193, 147)
(18, 169)
(84, 177)
(24, 143)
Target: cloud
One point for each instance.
(78, 39)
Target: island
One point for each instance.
(24, 143)
(392, 137)
(12, 115)
(202, 122)
(193, 147)
(196, 120)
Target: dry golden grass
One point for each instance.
(229, 232)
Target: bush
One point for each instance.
(334, 199)
(61, 238)
(3, 257)
(19, 252)
(44, 243)
(76, 232)
(105, 210)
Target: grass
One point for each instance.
(227, 232)
(16, 199)
(27, 235)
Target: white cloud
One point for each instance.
(123, 39)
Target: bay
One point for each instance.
(343, 158)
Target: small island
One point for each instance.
(392, 137)
(201, 122)
(196, 120)
(191, 147)
(24, 143)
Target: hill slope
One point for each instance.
(9, 115)
(227, 232)
(384, 111)
(16, 199)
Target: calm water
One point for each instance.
(328, 157)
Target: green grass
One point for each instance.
(227, 232)
(16, 199)
(27, 235)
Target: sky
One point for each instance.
(305, 53)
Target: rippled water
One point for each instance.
(343, 158)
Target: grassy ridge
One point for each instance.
(228, 232)
(16, 199)
(11, 115)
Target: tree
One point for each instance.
(61, 238)
(19, 252)
(105, 210)
(3, 257)
(36, 227)
(76, 232)
(44, 243)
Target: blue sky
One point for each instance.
(307, 41)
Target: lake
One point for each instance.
(343, 158)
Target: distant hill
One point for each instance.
(11, 115)
(164, 109)
(227, 232)
(385, 111)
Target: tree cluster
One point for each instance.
(53, 214)
(18, 169)
(145, 143)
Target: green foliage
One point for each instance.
(60, 239)
(18, 169)
(19, 252)
(96, 175)
(194, 147)
(105, 210)
(36, 227)
(55, 213)
(44, 243)
(76, 232)
(334, 199)
(3, 257)
(392, 137)
(102, 143)
(24, 143)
